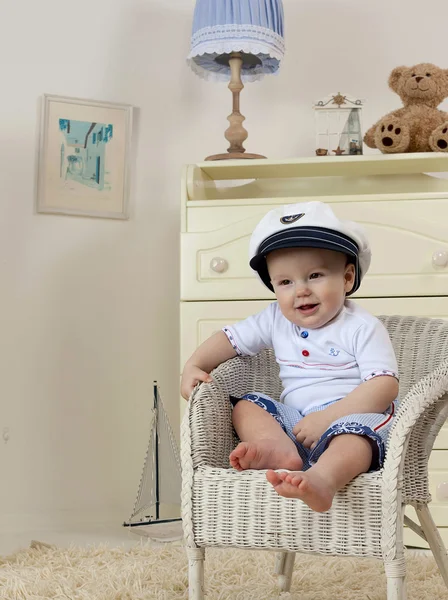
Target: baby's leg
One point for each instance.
(346, 457)
(264, 444)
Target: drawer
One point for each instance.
(404, 237)
(438, 484)
(413, 540)
(199, 320)
(438, 487)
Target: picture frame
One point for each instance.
(84, 157)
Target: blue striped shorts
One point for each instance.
(375, 426)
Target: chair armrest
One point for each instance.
(207, 426)
(207, 434)
(420, 407)
(207, 439)
(416, 425)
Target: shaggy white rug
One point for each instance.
(160, 573)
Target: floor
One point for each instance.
(113, 536)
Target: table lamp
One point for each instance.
(240, 40)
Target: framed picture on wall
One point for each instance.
(84, 158)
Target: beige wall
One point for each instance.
(89, 307)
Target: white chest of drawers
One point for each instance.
(403, 208)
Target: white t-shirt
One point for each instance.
(318, 365)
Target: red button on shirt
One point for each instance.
(305, 353)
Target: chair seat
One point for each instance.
(241, 509)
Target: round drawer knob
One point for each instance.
(442, 491)
(440, 258)
(219, 265)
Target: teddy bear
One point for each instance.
(420, 126)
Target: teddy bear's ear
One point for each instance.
(395, 77)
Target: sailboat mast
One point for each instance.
(156, 450)
(152, 469)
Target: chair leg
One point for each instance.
(285, 575)
(396, 579)
(280, 563)
(396, 588)
(434, 540)
(196, 558)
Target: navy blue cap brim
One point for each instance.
(306, 237)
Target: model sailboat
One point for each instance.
(156, 508)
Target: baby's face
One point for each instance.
(310, 284)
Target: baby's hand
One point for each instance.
(191, 376)
(309, 430)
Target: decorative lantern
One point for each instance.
(338, 125)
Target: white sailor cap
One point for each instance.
(308, 225)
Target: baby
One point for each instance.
(337, 364)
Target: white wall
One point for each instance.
(88, 307)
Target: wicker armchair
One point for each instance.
(225, 508)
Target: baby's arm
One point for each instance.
(214, 351)
(372, 396)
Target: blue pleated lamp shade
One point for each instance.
(253, 27)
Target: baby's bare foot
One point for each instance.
(308, 486)
(264, 454)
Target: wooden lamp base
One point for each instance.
(235, 134)
(234, 155)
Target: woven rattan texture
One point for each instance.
(222, 507)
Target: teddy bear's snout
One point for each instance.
(418, 79)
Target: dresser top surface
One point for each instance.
(327, 178)
(325, 166)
